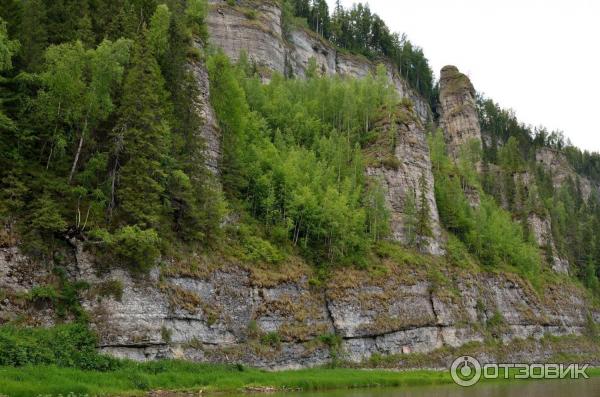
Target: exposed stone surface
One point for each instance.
(227, 315)
(304, 46)
(18, 275)
(227, 25)
(542, 232)
(401, 180)
(561, 171)
(458, 110)
(209, 130)
(260, 38)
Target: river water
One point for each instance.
(546, 388)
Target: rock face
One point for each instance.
(262, 40)
(406, 175)
(254, 27)
(232, 313)
(562, 172)
(209, 130)
(458, 110)
(306, 45)
(542, 232)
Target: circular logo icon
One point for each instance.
(465, 371)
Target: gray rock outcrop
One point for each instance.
(458, 111)
(556, 164)
(255, 28)
(278, 319)
(209, 130)
(405, 174)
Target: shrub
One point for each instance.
(43, 293)
(67, 345)
(250, 14)
(272, 339)
(109, 288)
(64, 296)
(496, 324)
(133, 247)
(259, 250)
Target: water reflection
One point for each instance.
(548, 388)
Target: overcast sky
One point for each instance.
(539, 57)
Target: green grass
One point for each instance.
(136, 379)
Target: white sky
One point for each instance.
(538, 57)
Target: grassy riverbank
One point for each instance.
(134, 379)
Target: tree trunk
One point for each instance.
(76, 159)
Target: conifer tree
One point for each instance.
(33, 34)
(7, 50)
(142, 141)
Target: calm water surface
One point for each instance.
(547, 388)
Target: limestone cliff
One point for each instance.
(400, 162)
(555, 163)
(255, 28)
(458, 111)
(228, 312)
(221, 309)
(252, 27)
(209, 130)
(260, 36)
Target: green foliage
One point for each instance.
(132, 246)
(360, 31)
(423, 228)
(487, 230)
(77, 94)
(70, 345)
(292, 154)
(136, 378)
(63, 295)
(257, 249)
(272, 339)
(196, 13)
(7, 48)
(334, 343)
(43, 292)
(142, 139)
(81, 149)
(496, 325)
(527, 187)
(378, 216)
(158, 34)
(497, 240)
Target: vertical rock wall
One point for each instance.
(255, 28)
(401, 172)
(225, 313)
(458, 110)
(261, 37)
(209, 130)
(252, 27)
(555, 163)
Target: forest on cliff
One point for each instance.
(99, 143)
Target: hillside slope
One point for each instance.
(269, 298)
